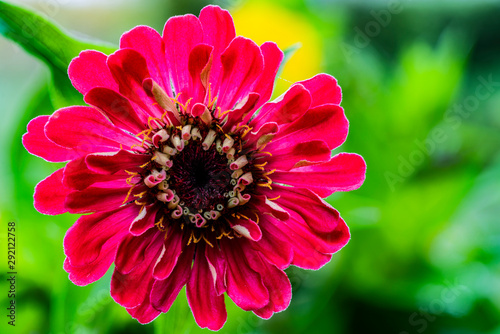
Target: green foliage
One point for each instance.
(46, 41)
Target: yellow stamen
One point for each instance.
(140, 195)
(128, 194)
(147, 163)
(268, 173)
(208, 242)
(246, 132)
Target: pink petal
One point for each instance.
(263, 205)
(50, 194)
(89, 70)
(276, 282)
(78, 177)
(181, 34)
(217, 265)
(207, 306)
(242, 64)
(242, 111)
(164, 292)
(218, 31)
(97, 198)
(86, 130)
(199, 65)
(244, 285)
(131, 289)
(91, 272)
(262, 135)
(272, 60)
(326, 122)
(172, 248)
(148, 42)
(129, 69)
(36, 142)
(344, 172)
(273, 246)
(289, 157)
(324, 89)
(117, 108)
(309, 250)
(112, 162)
(286, 108)
(132, 251)
(312, 249)
(96, 234)
(145, 312)
(145, 220)
(247, 228)
(317, 213)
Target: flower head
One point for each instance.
(190, 176)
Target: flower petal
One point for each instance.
(273, 57)
(145, 312)
(324, 89)
(242, 64)
(247, 228)
(172, 248)
(50, 194)
(148, 42)
(89, 70)
(117, 108)
(317, 213)
(311, 249)
(276, 249)
(90, 272)
(145, 220)
(288, 157)
(244, 285)
(96, 234)
(132, 251)
(207, 306)
(112, 162)
(304, 243)
(276, 282)
(97, 198)
(37, 143)
(199, 65)
(242, 110)
(181, 34)
(344, 172)
(217, 265)
(326, 122)
(286, 108)
(218, 31)
(164, 292)
(77, 176)
(86, 130)
(130, 289)
(129, 69)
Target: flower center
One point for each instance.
(198, 172)
(201, 178)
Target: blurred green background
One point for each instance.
(421, 86)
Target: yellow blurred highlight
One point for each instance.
(263, 21)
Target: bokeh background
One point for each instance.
(421, 87)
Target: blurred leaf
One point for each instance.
(46, 41)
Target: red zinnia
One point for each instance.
(191, 177)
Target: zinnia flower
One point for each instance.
(189, 176)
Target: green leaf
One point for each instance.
(50, 43)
